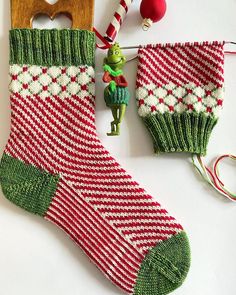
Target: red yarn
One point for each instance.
(153, 9)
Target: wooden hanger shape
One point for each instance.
(81, 12)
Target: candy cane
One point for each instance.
(117, 20)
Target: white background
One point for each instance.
(37, 258)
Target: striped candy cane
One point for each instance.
(117, 20)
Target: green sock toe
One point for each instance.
(165, 267)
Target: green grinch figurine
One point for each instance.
(116, 94)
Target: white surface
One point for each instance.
(37, 258)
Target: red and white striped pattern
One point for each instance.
(117, 20)
(177, 78)
(107, 248)
(97, 203)
(199, 63)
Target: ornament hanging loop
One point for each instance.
(147, 23)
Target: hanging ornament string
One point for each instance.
(212, 176)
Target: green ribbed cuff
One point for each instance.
(52, 47)
(186, 132)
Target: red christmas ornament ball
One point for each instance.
(152, 11)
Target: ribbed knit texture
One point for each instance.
(121, 95)
(52, 47)
(180, 132)
(180, 94)
(54, 165)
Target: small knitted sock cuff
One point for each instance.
(52, 47)
(180, 132)
(179, 93)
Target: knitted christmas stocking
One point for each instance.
(55, 166)
(180, 94)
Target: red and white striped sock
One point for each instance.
(128, 235)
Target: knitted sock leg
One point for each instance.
(55, 166)
(180, 94)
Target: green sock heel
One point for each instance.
(27, 186)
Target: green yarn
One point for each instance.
(165, 267)
(52, 47)
(180, 132)
(27, 186)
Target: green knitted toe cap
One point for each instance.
(165, 267)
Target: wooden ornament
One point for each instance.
(81, 12)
